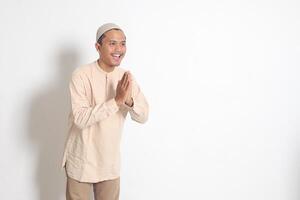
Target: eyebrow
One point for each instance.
(117, 41)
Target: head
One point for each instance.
(111, 45)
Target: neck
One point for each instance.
(104, 66)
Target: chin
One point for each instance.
(116, 64)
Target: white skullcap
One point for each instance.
(105, 27)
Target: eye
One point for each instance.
(112, 43)
(124, 44)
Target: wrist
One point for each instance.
(118, 101)
(129, 102)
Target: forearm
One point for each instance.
(87, 116)
(139, 110)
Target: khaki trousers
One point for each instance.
(104, 190)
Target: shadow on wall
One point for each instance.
(48, 127)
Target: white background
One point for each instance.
(221, 78)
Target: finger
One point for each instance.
(125, 80)
(123, 77)
(129, 89)
(126, 86)
(130, 77)
(118, 85)
(128, 80)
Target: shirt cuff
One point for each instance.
(129, 107)
(112, 105)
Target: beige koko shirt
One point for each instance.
(92, 150)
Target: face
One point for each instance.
(113, 48)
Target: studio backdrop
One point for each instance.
(221, 79)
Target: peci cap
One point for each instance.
(105, 27)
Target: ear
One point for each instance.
(97, 46)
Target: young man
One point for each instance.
(101, 96)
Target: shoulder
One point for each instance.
(81, 75)
(83, 70)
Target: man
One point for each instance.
(101, 96)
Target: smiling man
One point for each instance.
(101, 96)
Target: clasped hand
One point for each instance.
(124, 88)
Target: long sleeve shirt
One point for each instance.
(92, 149)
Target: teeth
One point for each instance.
(116, 55)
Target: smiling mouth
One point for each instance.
(116, 55)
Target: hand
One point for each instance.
(123, 89)
(129, 100)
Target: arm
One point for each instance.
(139, 108)
(84, 114)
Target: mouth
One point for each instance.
(116, 56)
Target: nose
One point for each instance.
(119, 47)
